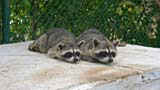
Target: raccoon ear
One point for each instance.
(96, 42)
(60, 46)
(116, 43)
(80, 43)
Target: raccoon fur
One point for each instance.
(95, 47)
(58, 43)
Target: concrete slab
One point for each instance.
(135, 68)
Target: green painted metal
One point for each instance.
(5, 21)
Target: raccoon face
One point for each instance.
(102, 51)
(69, 53)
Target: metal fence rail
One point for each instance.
(132, 21)
(5, 21)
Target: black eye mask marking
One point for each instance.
(113, 54)
(70, 54)
(102, 54)
(77, 53)
(105, 54)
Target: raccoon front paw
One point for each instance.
(89, 59)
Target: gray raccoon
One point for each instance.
(96, 47)
(57, 43)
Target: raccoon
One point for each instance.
(95, 47)
(58, 43)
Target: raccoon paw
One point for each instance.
(89, 59)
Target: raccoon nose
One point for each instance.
(76, 60)
(110, 60)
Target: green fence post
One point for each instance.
(5, 21)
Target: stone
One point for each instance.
(135, 68)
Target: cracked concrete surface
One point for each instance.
(135, 68)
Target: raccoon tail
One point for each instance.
(32, 47)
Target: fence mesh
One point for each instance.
(131, 21)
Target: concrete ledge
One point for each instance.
(135, 68)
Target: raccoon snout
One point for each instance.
(76, 60)
(110, 60)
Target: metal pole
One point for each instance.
(5, 21)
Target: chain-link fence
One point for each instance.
(131, 21)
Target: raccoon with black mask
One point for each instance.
(95, 47)
(58, 43)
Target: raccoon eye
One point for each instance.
(77, 54)
(102, 54)
(68, 55)
(113, 54)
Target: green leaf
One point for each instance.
(138, 9)
(26, 3)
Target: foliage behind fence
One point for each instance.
(132, 21)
